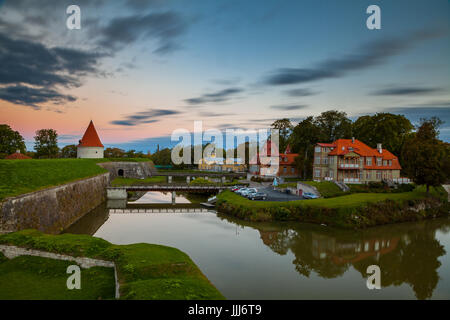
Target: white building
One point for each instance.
(90, 145)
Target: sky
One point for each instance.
(142, 69)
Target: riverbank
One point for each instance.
(358, 210)
(145, 271)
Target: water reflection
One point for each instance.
(406, 253)
(290, 260)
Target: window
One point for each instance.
(378, 175)
(367, 175)
(369, 161)
(284, 169)
(317, 173)
(390, 163)
(378, 161)
(331, 174)
(317, 149)
(325, 160)
(384, 162)
(317, 160)
(292, 170)
(331, 159)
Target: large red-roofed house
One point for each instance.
(352, 161)
(90, 145)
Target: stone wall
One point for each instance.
(137, 170)
(54, 209)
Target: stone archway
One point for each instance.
(120, 172)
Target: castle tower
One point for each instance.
(90, 145)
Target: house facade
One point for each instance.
(216, 164)
(273, 164)
(352, 161)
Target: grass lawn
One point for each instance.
(23, 176)
(36, 278)
(327, 189)
(145, 271)
(348, 201)
(134, 182)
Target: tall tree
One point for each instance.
(285, 128)
(69, 151)
(334, 125)
(425, 157)
(303, 138)
(389, 129)
(10, 141)
(46, 143)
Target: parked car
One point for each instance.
(258, 196)
(235, 188)
(308, 195)
(248, 191)
(241, 190)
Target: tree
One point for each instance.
(285, 128)
(114, 153)
(389, 129)
(10, 141)
(46, 143)
(425, 157)
(303, 138)
(69, 151)
(334, 125)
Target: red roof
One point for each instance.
(17, 156)
(90, 137)
(345, 146)
(288, 158)
(329, 145)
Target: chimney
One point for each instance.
(379, 148)
(353, 139)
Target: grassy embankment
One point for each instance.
(356, 210)
(23, 176)
(145, 271)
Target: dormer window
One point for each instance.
(379, 161)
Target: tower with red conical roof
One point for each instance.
(90, 146)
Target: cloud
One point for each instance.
(212, 114)
(32, 97)
(370, 55)
(289, 107)
(219, 96)
(404, 91)
(142, 117)
(30, 71)
(299, 92)
(164, 27)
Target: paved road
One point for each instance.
(273, 195)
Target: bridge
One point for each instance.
(206, 175)
(120, 193)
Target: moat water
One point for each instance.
(289, 260)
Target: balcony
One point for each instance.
(348, 165)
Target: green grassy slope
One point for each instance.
(145, 271)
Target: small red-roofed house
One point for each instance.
(352, 161)
(90, 145)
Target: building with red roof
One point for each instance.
(271, 163)
(90, 145)
(352, 161)
(17, 156)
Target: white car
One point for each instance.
(249, 191)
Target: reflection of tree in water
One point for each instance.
(415, 262)
(406, 253)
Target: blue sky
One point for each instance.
(141, 69)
